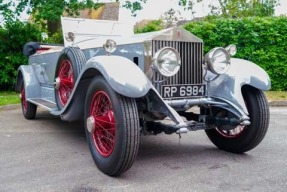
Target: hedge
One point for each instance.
(260, 40)
(148, 26)
(13, 36)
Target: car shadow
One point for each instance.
(162, 151)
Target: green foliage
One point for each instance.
(13, 36)
(150, 26)
(235, 8)
(134, 6)
(56, 38)
(8, 98)
(52, 10)
(44, 9)
(260, 40)
(244, 8)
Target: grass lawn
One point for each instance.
(10, 97)
(276, 95)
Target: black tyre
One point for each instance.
(28, 109)
(112, 128)
(244, 138)
(69, 66)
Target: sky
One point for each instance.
(153, 9)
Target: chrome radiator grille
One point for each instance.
(191, 54)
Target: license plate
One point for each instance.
(183, 91)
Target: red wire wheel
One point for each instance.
(239, 139)
(229, 133)
(236, 132)
(28, 109)
(23, 99)
(105, 128)
(66, 77)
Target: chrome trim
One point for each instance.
(191, 54)
(193, 102)
(148, 59)
(187, 103)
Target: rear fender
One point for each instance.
(27, 74)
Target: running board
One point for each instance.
(44, 104)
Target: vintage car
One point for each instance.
(124, 85)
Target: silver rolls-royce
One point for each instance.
(125, 85)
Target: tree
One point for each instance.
(170, 17)
(134, 6)
(189, 5)
(45, 10)
(244, 8)
(52, 10)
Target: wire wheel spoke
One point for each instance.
(232, 133)
(105, 128)
(67, 83)
(66, 77)
(105, 131)
(106, 141)
(23, 99)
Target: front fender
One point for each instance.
(249, 73)
(228, 86)
(124, 76)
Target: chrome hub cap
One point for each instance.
(91, 124)
(57, 83)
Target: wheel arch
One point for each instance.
(27, 75)
(133, 85)
(123, 75)
(19, 79)
(74, 110)
(228, 87)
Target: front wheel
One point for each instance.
(112, 128)
(244, 138)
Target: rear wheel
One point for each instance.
(28, 109)
(112, 128)
(69, 65)
(244, 138)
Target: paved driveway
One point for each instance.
(47, 154)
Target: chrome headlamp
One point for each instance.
(167, 61)
(231, 49)
(110, 46)
(218, 60)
